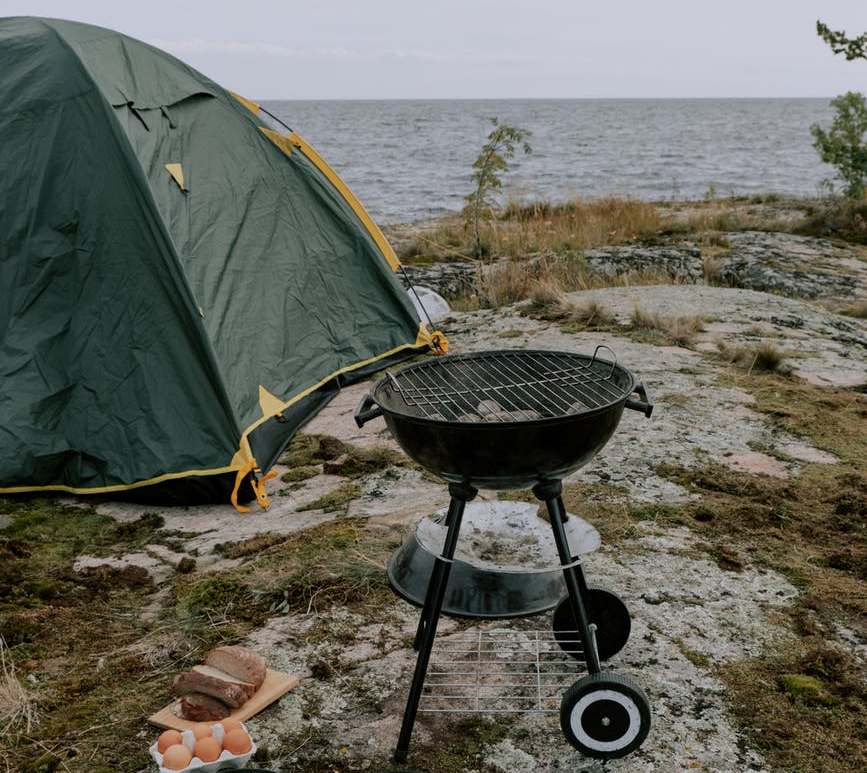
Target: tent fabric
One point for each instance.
(163, 263)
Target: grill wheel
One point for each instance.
(605, 715)
(607, 611)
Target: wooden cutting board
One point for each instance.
(275, 685)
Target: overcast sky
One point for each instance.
(379, 49)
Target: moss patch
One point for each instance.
(73, 632)
(460, 743)
(805, 688)
(301, 571)
(306, 450)
(358, 462)
(296, 474)
(335, 501)
(805, 710)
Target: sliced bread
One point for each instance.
(214, 682)
(198, 707)
(240, 662)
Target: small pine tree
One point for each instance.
(843, 145)
(493, 160)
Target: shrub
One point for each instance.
(493, 160)
(843, 146)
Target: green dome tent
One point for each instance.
(183, 282)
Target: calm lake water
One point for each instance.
(408, 160)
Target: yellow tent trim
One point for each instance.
(177, 173)
(248, 103)
(280, 140)
(119, 487)
(422, 341)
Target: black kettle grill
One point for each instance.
(515, 419)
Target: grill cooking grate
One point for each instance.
(508, 386)
(498, 672)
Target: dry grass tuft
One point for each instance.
(17, 704)
(857, 309)
(547, 301)
(712, 269)
(546, 293)
(541, 227)
(677, 331)
(576, 225)
(764, 357)
(591, 316)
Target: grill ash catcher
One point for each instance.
(517, 419)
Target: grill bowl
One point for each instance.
(503, 453)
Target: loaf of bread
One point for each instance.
(228, 679)
(239, 662)
(198, 707)
(216, 683)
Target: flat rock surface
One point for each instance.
(800, 266)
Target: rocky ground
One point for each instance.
(721, 602)
(779, 263)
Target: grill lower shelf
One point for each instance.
(498, 671)
(503, 566)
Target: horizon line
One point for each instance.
(527, 99)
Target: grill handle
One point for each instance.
(644, 405)
(367, 410)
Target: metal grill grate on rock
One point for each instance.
(507, 386)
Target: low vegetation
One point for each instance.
(837, 217)
(74, 642)
(541, 228)
(763, 357)
(658, 329)
(543, 280)
(307, 449)
(803, 708)
(83, 663)
(492, 162)
(294, 575)
(335, 501)
(18, 710)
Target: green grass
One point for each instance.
(335, 501)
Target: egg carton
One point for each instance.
(226, 760)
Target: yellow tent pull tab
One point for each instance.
(242, 473)
(439, 342)
(259, 488)
(177, 173)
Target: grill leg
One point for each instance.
(431, 613)
(432, 584)
(576, 585)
